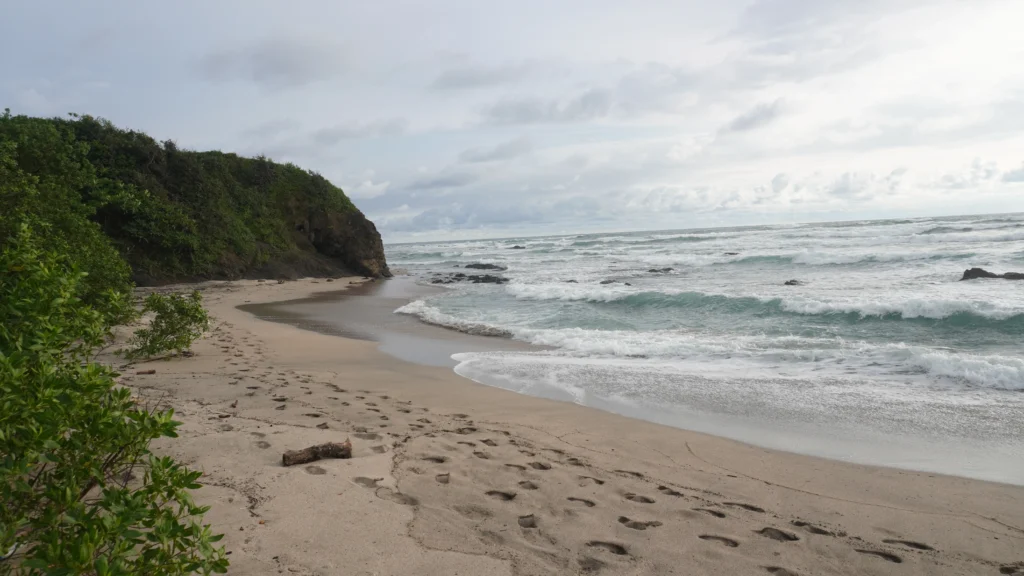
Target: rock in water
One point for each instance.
(982, 273)
(518, 247)
(477, 266)
(794, 283)
(661, 270)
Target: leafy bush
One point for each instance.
(72, 442)
(178, 321)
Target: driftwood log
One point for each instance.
(314, 453)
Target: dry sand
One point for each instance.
(452, 477)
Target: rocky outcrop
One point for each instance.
(349, 238)
(478, 266)
(794, 283)
(982, 273)
(471, 278)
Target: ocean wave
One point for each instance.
(959, 312)
(945, 230)
(807, 258)
(760, 357)
(431, 315)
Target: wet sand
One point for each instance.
(452, 477)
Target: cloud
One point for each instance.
(374, 129)
(451, 180)
(779, 182)
(369, 189)
(758, 116)
(479, 76)
(1014, 175)
(269, 130)
(590, 105)
(273, 64)
(503, 151)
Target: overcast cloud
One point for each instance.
(470, 119)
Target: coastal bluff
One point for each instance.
(178, 215)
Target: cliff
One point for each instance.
(178, 215)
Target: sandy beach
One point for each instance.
(453, 477)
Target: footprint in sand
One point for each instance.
(527, 485)
(540, 466)
(750, 507)
(435, 459)
(883, 555)
(466, 430)
(379, 449)
(576, 462)
(638, 498)
(584, 501)
(482, 455)
(263, 444)
(443, 478)
(396, 497)
(909, 544)
(812, 528)
(670, 492)
(617, 549)
(258, 434)
(499, 495)
(423, 420)
(720, 539)
(528, 521)
(630, 473)
(489, 442)
(638, 525)
(714, 513)
(584, 480)
(371, 403)
(315, 470)
(590, 565)
(776, 534)
(367, 435)
(281, 407)
(464, 443)
(366, 482)
(516, 466)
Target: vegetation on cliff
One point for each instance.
(180, 215)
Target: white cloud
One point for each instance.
(606, 114)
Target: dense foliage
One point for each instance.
(72, 443)
(172, 214)
(177, 321)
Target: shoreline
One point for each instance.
(547, 487)
(719, 407)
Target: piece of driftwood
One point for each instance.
(314, 453)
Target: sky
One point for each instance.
(466, 119)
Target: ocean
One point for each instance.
(877, 353)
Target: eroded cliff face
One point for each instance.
(351, 239)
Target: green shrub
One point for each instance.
(177, 322)
(80, 492)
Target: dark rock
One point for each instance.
(982, 273)
(627, 284)
(732, 253)
(518, 247)
(607, 281)
(571, 282)
(794, 283)
(350, 238)
(487, 279)
(478, 266)
(661, 270)
(474, 278)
